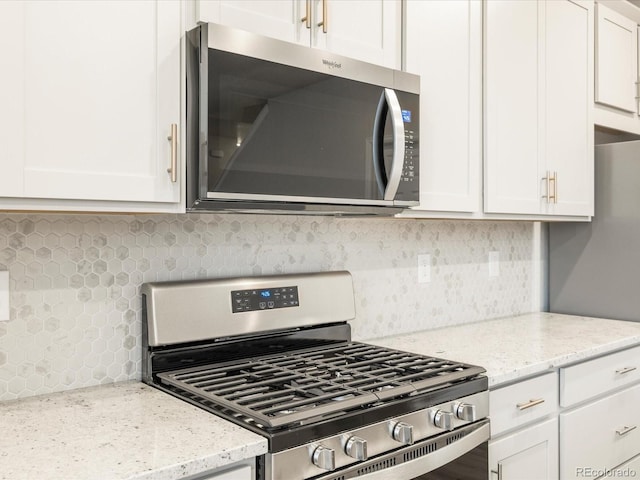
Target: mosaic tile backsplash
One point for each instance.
(74, 280)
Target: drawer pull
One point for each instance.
(529, 404)
(625, 430)
(622, 371)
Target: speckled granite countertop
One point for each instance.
(516, 347)
(120, 431)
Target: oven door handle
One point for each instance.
(434, 460)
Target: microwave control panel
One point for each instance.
(409, 172)
(264, 299)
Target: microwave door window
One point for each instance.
(278, 130)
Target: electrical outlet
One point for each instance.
(424, 268)
(494, 264)
(4, 296)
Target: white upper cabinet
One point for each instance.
(450, 100)
(616, 66)
(616, 60)
(97, 86)
(512, 103)
(367, 30)
(568, 141)
(538, 107)
(11, 99)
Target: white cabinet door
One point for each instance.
(11, 95)
(512, 102)
(538, 108)
(101, 89)
(616, 60)
(528, 454)
(367, 30)
(450, 100)
(281, 19)
(567, 145)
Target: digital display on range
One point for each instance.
(264, 299)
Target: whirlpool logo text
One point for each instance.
(331, 63)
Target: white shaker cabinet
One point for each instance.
(444, 46)
(95, 87)
(11, 96)
(367, 30)
(527, 454)
(599, 397)
(616, 60)
(616, 66)
(524, 430)
(538, 107)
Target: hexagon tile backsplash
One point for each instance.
(74, 280)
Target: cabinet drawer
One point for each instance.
(632, 467)
(523, 402)
(600, 435)
(585, 380)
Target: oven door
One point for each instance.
(458, 455)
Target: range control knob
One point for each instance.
(324, 458)
(443, 420)
(356, 447)
(466, 411)
(403, 433)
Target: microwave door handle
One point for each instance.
(397, 163)
(378, 144)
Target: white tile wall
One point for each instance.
(75, 307)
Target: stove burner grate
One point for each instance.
(279, 390)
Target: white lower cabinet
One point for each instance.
(600, 435)
(530, 453)
(524, 430)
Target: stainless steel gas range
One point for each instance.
(274, 355)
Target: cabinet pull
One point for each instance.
(624, 430)
(622, 371)
(554, 179)
(324, 22)
(173, 138)
(307, 14)
(548, 192)
(498, 472)
(530, 403)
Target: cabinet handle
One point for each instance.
(622, 371)
(498, 472)
(547, 180)
(324, 22)
(625, 430)
(554, 179)
(173, 138)
(530, 403)
(307, 17)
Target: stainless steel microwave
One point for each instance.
(275, 126)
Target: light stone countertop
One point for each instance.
(120, 431)
(512, 348)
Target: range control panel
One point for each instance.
(264, 299)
